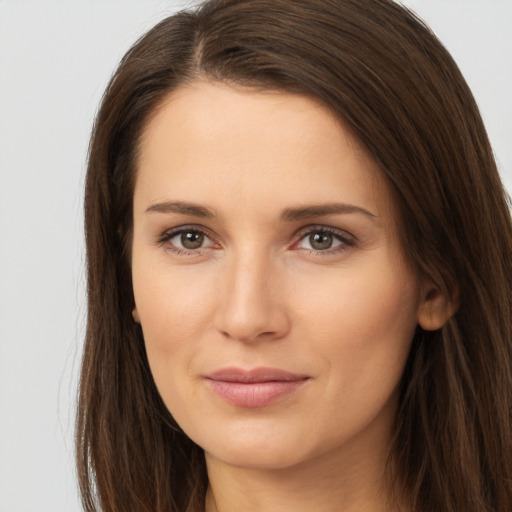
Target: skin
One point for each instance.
(258, 291)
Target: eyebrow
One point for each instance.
(309, 212)
(287, 215)
(183, 208)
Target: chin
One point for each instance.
(257, 457)
(256, 448)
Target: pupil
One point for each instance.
(192, 239)
(320, 241)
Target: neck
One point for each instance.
(331, 483)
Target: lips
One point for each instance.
(256, 387)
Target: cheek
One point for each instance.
(167, 297)
(175, 311)
(360, 302)
(170, 346)
(359, 328)
(363, 322)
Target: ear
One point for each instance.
(436, 308)
(135, 314)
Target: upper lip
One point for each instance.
(254, 375)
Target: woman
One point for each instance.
(299, 271)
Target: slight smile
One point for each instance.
(254, 388)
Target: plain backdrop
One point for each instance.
(55, 60)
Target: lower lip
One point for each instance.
(254, 394)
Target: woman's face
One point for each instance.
(276, 305)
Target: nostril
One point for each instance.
(249, 306)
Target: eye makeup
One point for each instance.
(192, 240)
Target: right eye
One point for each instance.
(186, 240)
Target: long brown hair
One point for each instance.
(382, 71)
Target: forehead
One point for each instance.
(208, 142)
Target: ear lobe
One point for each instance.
(135, 314)
(436, 308)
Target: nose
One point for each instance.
(251, 302)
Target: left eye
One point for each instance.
(322, 240)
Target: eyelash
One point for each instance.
(166, 237)
(346, 239)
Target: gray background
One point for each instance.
(55, 60)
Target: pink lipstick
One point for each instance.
(254, 388)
